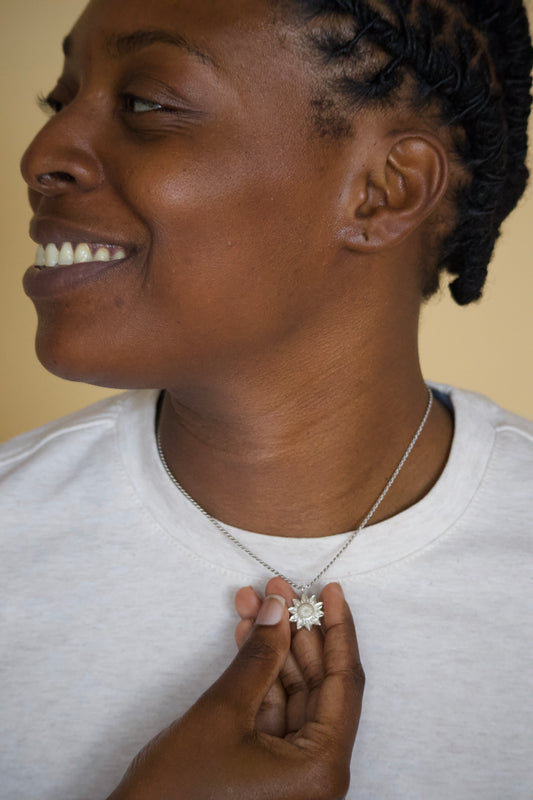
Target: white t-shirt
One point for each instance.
(118, 610)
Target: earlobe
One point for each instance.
(401, 191)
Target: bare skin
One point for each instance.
(226, 745)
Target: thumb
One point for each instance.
(256, 666)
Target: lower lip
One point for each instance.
(55, 281)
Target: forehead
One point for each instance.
(212, 29)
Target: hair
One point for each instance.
(469, 59)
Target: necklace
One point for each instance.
(306, 611)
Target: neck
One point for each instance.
(306, 452)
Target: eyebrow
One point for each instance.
(125, 44)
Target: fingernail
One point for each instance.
(271, 611)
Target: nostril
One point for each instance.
(51, 178)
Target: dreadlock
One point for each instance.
(470, 58)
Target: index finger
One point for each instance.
(339, 703)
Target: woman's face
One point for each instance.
(184, 137)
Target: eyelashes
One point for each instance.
(137, 113)
(48, 104)
(130, 103)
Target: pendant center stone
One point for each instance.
(306, 610)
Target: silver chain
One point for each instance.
(349, 540)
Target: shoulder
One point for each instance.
(508, 437)
(71, 436)
(475, 405)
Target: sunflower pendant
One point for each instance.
(306, 611)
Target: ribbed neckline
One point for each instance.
(377, 546)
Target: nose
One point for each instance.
(62, 157)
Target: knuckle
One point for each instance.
(353, 674)
(313, 673)
(358, 676)
(331, 780)
(294, 684)
(354, 680)
(340, 783)
(259, 650)
(268, 704)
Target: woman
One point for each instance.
(245, 203)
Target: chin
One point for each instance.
(85, 359)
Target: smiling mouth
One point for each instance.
(66, 254)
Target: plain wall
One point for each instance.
(486, 347)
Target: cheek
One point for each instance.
(230, 236)
(231, 267)
(227, 278)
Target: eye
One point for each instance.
(139, 105)
(49, 104)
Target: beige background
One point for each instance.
(487, 347)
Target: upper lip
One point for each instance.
(50, 231)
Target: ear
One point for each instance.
(395, 193)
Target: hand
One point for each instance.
(219, 748)
(293, 698)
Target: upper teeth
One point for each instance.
(52, 256)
